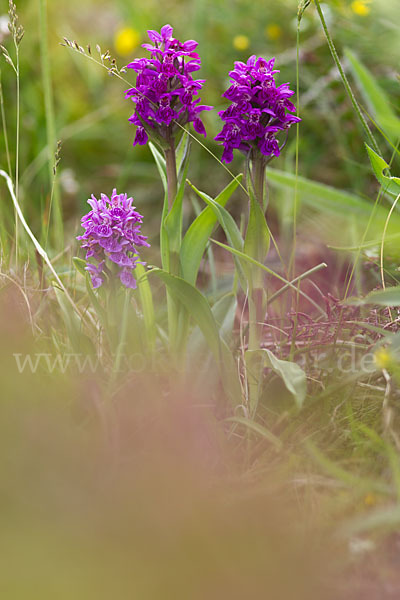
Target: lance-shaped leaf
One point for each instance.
(224, 313)
(199, 309)
(391, 185)
(291, 373)
(196, 238)
(231, 231)
(388, 297)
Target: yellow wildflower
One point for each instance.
(126, 40)
(383, 358)
(370, 499)
(273, 31)
(360, 8)
(241, 42)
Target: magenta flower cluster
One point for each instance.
(112, 238)
(258, 112)
(166, 93)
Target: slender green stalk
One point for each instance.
(17, 152)
(53, 190)
(258, 176)
(17, 32)
(55, 201)
(344, 78)
(48, 217)
(18, 124)
(253, 364)
(256, 294)
(292, 262)
(173, 265)
(172, 178)
(4, 124)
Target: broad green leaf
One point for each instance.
(388, 297)
(258, 429)
(224, 313)
(231, 231)
(377, 102)
(391, 185)
(291, 374)
(197, 306)
(199, 309)
(225, 219)
(196, 237)
(80, 265)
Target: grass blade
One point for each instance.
(50, 125)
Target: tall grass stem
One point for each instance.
(55, 201)
(17, 152)
(4, 125)
(345, 80)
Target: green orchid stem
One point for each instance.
(258, 180)
(253, 366)
(257, 296)
(172, 177)
(173, 260)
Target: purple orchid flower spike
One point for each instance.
(258, 113)
(112, 238)
(166, 95)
